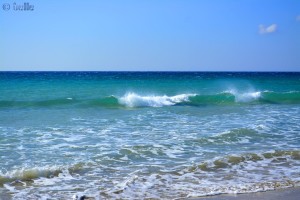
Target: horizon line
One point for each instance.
(139, 71)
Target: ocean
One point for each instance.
(139, 135)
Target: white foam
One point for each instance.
(135, 100)
(246, 96)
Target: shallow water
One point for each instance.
(147, 135)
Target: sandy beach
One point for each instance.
(287, 194)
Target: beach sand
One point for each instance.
(286, 194)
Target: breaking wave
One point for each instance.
(135, 100)
(30, 174)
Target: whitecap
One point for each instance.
(244, 97)
(135, 100)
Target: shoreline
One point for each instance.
(278, 194)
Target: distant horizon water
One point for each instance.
(162, 71)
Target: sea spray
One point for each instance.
(132, 99)
(135, 100)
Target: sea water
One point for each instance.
(137, 135)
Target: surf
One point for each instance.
(136, 100)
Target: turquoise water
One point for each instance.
(137, 135)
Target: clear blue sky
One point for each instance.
(184, 35)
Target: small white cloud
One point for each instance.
(298, 18)
(267, 29)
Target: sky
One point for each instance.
(150, 35)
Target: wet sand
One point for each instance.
(280, 194)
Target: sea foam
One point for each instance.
(244, 97)
(135, 100)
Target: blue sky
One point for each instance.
(151, 35)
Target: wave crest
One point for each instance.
(30, 174)
(135, 100)
(132, 99)
(245, 97)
